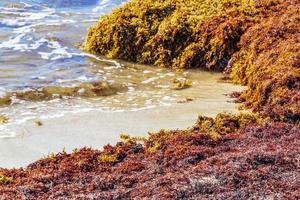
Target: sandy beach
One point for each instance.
(215, 83)
(97, 128)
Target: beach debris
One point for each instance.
(15, 5)
(264, 150)
(182, 83)
(88, 90)
(186, 100)
(255, 43)
(3, 119)
(38, 123)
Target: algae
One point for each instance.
(3, 119)
(88, 90)
(127, 139)
(186, 100)
(180, 84)
(38, 123)
(259, 161)
(225, 123)
(256, 42)
(269, 64)
(247, 153)
(4, 180)
(172, 33)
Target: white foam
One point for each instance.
(2, 92)
(103, 5)
(150, 80)
(6, 134)
(117, 64)
(56, 54)
(24, 23)
(13, 22)
(147, 72)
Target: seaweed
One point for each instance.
(107, 158)
(225, 123)
(3, 119)
(38, 123)
(88, 90)
(4, 180)
(255, 161)
(231, 156)
(172, 33)
(268, 62)
(180, 84)
(256, 42)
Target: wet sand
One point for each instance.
(97, 128)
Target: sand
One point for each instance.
(97, 128)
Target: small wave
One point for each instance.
(67, 3)
(2, 92)
(56, 54)
(106, 5)
(6, 133)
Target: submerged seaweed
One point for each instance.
(93, 89)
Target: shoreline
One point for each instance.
(232, 156)
(98, 128)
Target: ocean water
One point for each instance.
(39, 41)
(40, 47)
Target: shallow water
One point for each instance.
(39, 47)
(39, 41)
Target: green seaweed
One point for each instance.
(38, 123)
(180, 84)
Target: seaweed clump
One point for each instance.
(93, 89)
(4, 180)
(268, 62)
(3, 119)
(257, 42)
(173, 33)
(229, 157)
(225, 123)
(171, 165)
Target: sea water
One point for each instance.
(40, 44)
